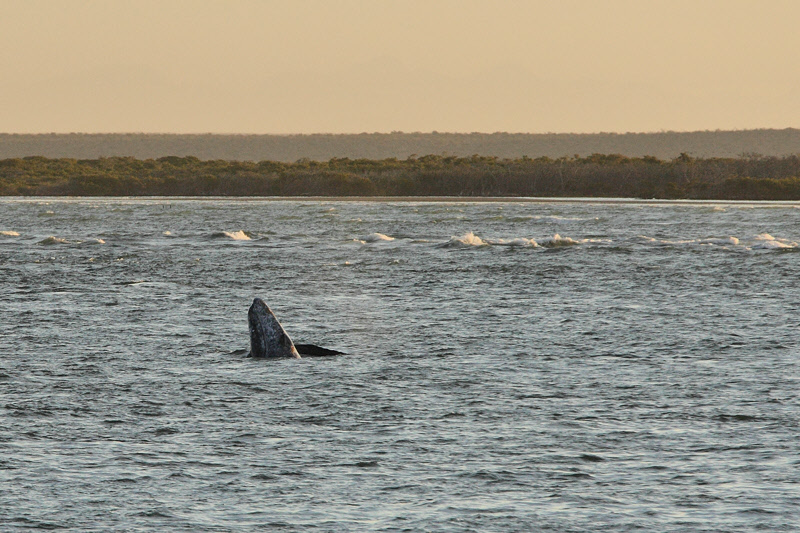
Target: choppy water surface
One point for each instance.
(513, 366)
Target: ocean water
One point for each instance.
(511, 366)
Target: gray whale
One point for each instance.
(269, 339)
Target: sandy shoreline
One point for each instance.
(403, 199)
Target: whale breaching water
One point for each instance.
(268, 338)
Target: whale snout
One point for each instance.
(259, 305)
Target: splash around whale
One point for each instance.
(268, 339)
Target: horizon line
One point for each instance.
(399, 132)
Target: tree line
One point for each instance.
(748, 177)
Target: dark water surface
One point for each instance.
(513, 366)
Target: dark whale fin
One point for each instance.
(310, 350)
(267, 337)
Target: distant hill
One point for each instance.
(322, 147)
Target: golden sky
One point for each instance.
(349, 66)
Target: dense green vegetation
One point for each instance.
(744, 178)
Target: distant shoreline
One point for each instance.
(477, 178)
(405, 199)
(324, 146)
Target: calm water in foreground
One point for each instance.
(513, 366)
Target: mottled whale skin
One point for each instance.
(268, 338)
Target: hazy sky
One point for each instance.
(295, 66)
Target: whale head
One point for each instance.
(267, 337)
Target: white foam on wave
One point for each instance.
(763, 237)
(376, 237)
(765, 241)
(724, 241)
(233, 235)
(714, 241)
(94, 241)
(558, 240)
(468, 239)
(519, 241)
(9, 233)
(772, 245)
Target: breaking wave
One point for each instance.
(763, 241)
(731, 241)
(558, 240)
(51, 240)
(376, 237)
(470, 239)
(233, 235)
(519, 241)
